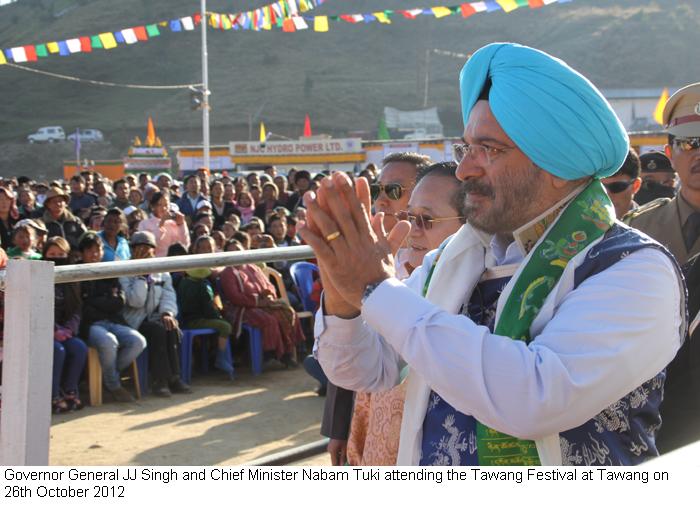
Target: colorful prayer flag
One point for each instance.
(41, 51)
(96, 41)
(152, 30)
(441, 12)
(85, 45)
(52, 47)
(659, 110)
(140, 32)
(288, 25)
(73, 45)
(300, 23)
(175, 25)
(30, 51)
(535, 4)
(187, 23)
(479, 6)
(321, 24)
(3, 60)
(108, 41)
(382, 17)
(118, 36)
(19, 55)
(412, 13)
(508, 5)
(129, 36)
(63, 48)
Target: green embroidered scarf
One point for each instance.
(586, 218)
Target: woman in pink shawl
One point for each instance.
(246, 289)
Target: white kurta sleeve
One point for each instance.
(617, 330)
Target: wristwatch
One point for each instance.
(369, 289)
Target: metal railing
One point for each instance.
(25, 419)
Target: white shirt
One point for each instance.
(617, 330)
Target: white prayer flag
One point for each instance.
(19, 55)
(129, 36)
(74, 45)
(187, 23)
(299, 23)
(479, 6)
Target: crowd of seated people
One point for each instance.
(89, 219)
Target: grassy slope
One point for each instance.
(356, 69)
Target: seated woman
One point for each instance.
(151, 307)
(166, 225)
(247, 290)
(69, 351)
(106, 330)
(195, 298)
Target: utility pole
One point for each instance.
(427, 77)
(205, 84)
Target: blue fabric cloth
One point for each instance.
(622, 434)
(121, 253)
(556, 116)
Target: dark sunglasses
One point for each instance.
(687, 143)
(422, 221)
(618, 186)
(393, 191)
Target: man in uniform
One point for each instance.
(658, 178)
(675, 223)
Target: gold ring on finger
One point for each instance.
(332, 236)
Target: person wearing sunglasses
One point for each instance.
(675, 223)
(624, 184)
(391, 192)
(540, 332)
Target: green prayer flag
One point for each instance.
(41, 51)
(383, 132)
(152, 30)
(96, 42)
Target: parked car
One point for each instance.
(47, 135)
(88, 136)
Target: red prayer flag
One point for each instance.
(348, 18)
(307, 126)
(535, 4)
(197, 18)
(467, 10)
(273, 18)
(30, 51)
(288, 25)
(140, 32)
(408, 14)
(85, 45)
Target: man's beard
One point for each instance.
(508, 210)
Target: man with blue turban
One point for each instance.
(539, 333)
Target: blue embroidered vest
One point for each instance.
(622, 434)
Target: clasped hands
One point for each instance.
(363, 252)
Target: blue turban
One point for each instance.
(557, 117)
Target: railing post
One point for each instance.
(27, 363)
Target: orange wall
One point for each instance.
(112, 170)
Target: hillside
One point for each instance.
(342, 78)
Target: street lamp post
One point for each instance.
(205, 85)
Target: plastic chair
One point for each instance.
(276, 277)
(256, 348)
(188, 336)
(303, 275)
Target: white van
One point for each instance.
(47, 135)
(88, 136)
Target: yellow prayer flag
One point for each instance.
(108, 40)
(659, 111)
(441, 12)
(2, 58)
(382, 17)
(52, 47)
(508, 5)
(321, 24)
(267, 24)
(226, 22)
(263, 134)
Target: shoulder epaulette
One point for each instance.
(645, 208)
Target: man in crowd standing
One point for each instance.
(658, 178)
(624, 184)
(537, 341)
(675, 223)
(121, 194)
(79, 198)
(192, 197)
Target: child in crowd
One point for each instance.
(24, 241)
(69, 351)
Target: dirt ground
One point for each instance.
(220, 423)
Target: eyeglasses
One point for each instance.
(478, 152)
(393, 191)
(687, 143)
(422, 221)
(618, 186)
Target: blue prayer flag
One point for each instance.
(175, 25)
(63, 48)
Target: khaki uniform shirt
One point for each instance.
(663, 220)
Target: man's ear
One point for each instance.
(636, 185)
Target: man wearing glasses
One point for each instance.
(624, 184)
(540, 332)
(676, 223)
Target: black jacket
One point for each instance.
(68, 227)
(102, 300)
